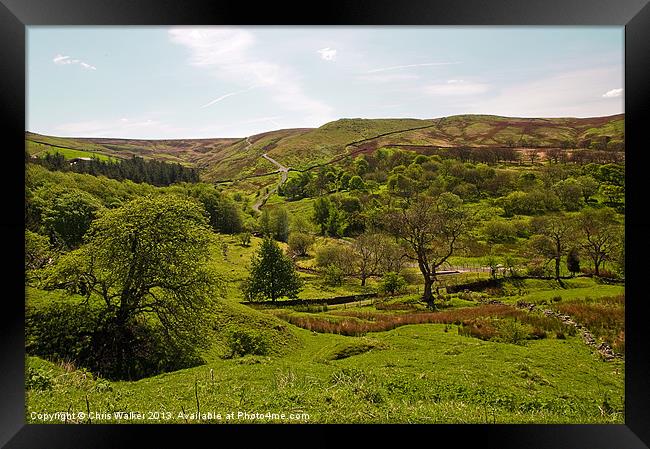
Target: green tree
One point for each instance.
(432, 229)
(321, 213)
(244, 238)
(279, 223)
(69, 215)
(573, 260)
(589, 187)
(37, 251)
(272, 274)
(602, 235)
(570, 192)
(356, 183)
(559, 232)
(300, 242)
(146, 259)
(336, 222)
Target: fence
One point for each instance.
(308, 302)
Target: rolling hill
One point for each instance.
(232, 158)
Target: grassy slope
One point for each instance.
(232, 158)
(423, 374)
(414, 373)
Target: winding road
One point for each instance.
(284, 172)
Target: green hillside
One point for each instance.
(233, 158)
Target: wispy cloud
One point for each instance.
(227, 52)
(408, 66)
(614, 93)
(60, 59)
(123, 127)
(327, 54)
(231, 94)
(456, 87)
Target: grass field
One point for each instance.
(426, 373)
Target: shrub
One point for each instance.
(244, 238)
(242, 342)
(511, 331)
(299, 243)
(336, 254)
(392, 283)
(500, 231)
(81, 334)
(38, 380)
(333, 275)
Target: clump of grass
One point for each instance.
(395, 306)
(356, 348)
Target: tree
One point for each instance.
(339, 255)
(69, 216)
(37, 251)
(321, 213)
(300, 242)
(149, 260)
(569, 191)
(336, 222)
(279, 224)
(589, 187)
(272, 274)
(573, 261)
(376, 254)
(432, 230)
(559, 232)
(356, 183)
(602, 235)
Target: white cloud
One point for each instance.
(60, 59)
(408, 66)
(614, 93)
(456, 87)
(227, 52)
(327, 54)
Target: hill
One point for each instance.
(232, 158)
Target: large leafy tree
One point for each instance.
(602, 235)
(432, 229)
(148, 257)
(555, 236)
(272, 274)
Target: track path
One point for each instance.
(284, 172)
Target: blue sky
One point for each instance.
(187, 82)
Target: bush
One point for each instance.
(500, 231)
(336, 254)
(244, 238)
(511, 331)
(241, 342)
(38, 380)
(299, 243)
(90, 339)
(333, 275)
(392, 283)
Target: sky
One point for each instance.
(188, 82)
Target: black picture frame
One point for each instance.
(16, 15)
